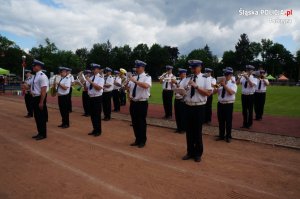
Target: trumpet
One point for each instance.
(162, 76)
(242, 74)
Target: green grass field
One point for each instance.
(281, 100)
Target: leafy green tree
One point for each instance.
(244, 54)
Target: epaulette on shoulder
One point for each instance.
(205, 76)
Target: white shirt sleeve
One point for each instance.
(43, 81)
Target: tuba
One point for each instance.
(53, 89)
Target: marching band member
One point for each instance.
(248, 88)
(208, 106)
(226, 97)
(116, 91)
(199, 87)
(260, 95)
(69, 74)
(179, 105)
(122, 90)
(139, 91)
(107, 90)
(167, 94)
(63, 89)
(85, 96)
(95, 85)
(28, 96)
(39, 89)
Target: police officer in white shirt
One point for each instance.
(208, 106)
(95, 85)
(107, 90)
(248, 83)
(226, 98)
(139, 92)
(69, 71)
(199, 87)
(260, 95)
(167, 94)
(116, 91)
(28, 96)
(63, 89)
(179, 104)
(39, 89)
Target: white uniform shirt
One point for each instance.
(181, 83)
(213, 81)
(141, 93)
(28, 81)
(117, 80)
(263, 87)
(109, 81)
(66, 81)
(92, 92)
(248, 90)
(227, 98)
(168, 82)
(39, 80)
(202, 82)
(71, 78)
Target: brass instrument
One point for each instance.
(80, 80)
(53, 90)
(242, 74)
(162, 76)
(219, 80)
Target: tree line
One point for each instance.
(273, 57)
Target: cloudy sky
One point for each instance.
(188, 24)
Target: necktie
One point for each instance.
(223, 92)
(134, 88)
(259, 85)
(91, 85)
(193, 89)
(166, 85)
(32, 85)
(246, 83)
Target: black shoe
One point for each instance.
(141, 145)
(186, 157)
(97, 134)
(85, 115)
(60, 125)
(244, 127)
(106, 119)
(35, 136)
(91, 133)
(228, 140)
(177, 131)
(28, 116)
(65, 126)
(197, 159)
(134, 144)
(41, 137)
(219, 138)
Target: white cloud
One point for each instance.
(189, 25)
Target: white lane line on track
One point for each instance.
(121, 193)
